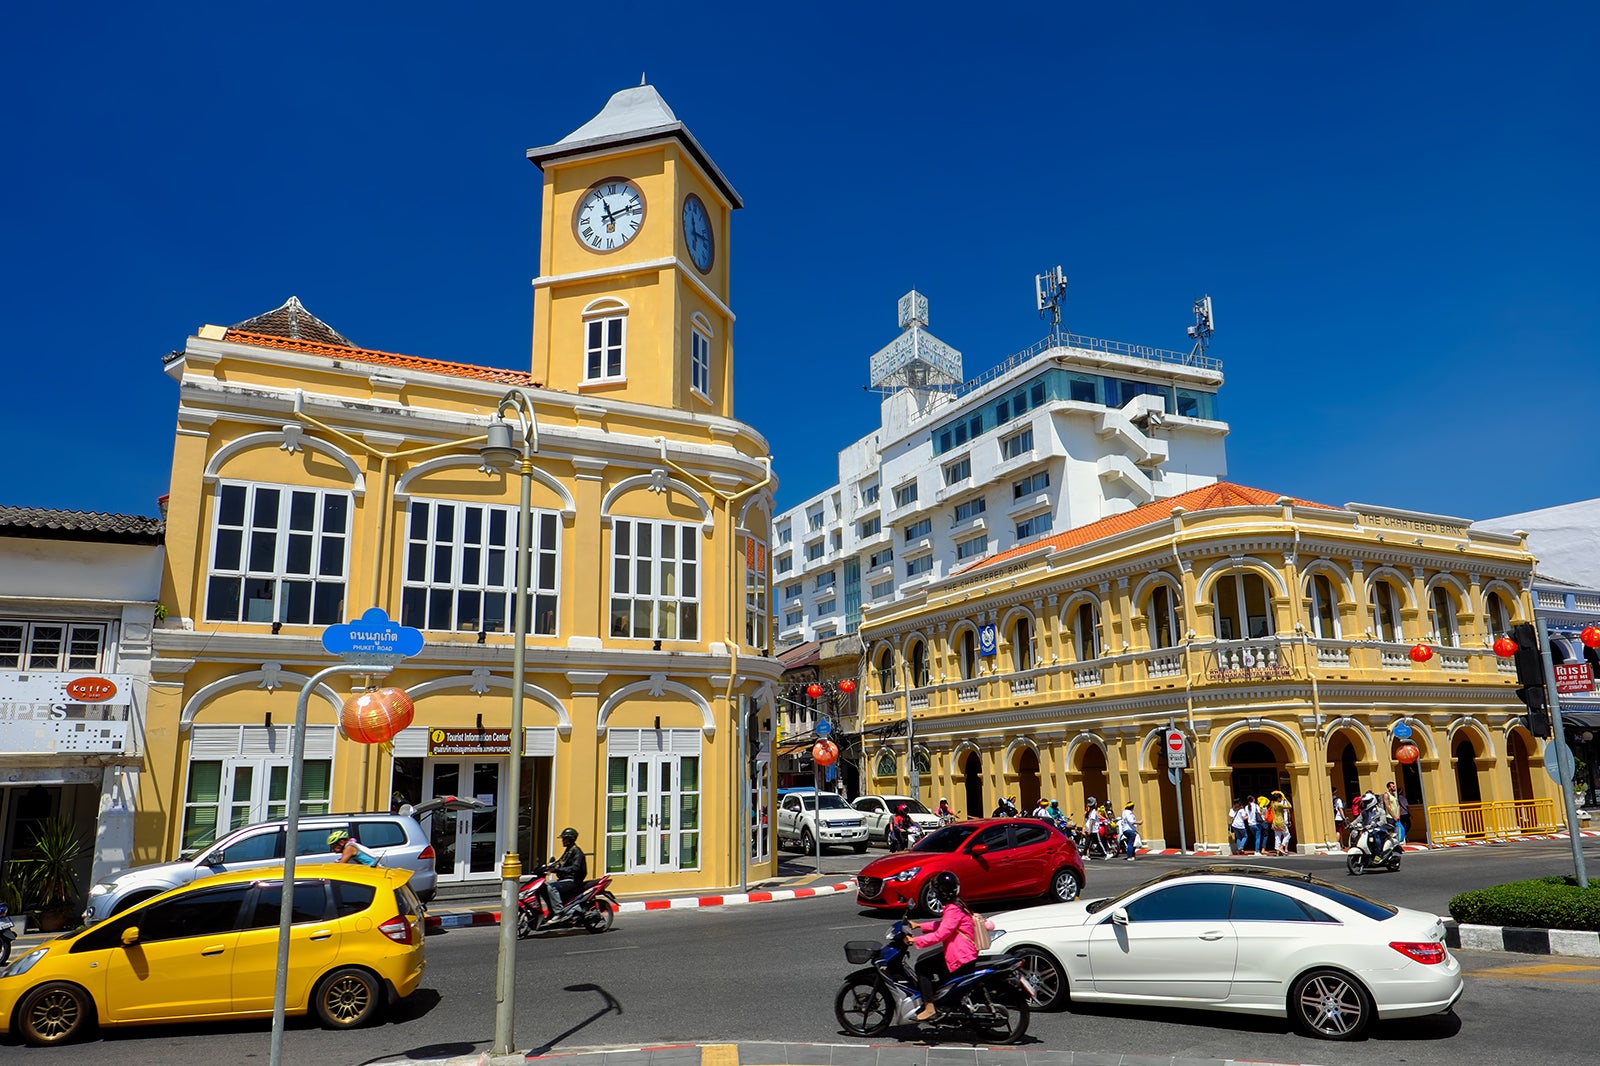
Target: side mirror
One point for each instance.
(1119, 916)
(130, 936)
(978, 849)
(216, 858)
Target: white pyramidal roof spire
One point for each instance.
(630, 116)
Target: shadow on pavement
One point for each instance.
(608, 1004)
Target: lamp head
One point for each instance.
(498, 451)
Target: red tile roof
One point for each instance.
(1209, 498)
(389, 359)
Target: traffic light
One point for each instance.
(1530, 679)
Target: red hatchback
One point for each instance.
(995, 858)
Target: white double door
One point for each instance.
(466, 844)
(662, 813)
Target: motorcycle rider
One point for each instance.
(567, 873)
(954, 931)
(1375, 821)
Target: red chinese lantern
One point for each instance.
(826, 752)
(1406, 753)
(813, 690)
(1505, 647)
(375, 717)
(1421, 653)
(1590, 636)
(847, 686)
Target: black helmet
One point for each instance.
(569, 835)
(946, 886)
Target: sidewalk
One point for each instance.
(775, 1054)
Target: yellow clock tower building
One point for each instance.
(632, 298)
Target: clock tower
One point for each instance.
(631, 301)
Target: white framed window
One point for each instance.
(920, 566)
(958, 471)
(1164, 617)
(814, 551)
(837, 539)
(869, 494)
(51, 646)
(1086, 631)
(1384, 601)
(652, 800)
(881, 557)
(967, 549)
(1032, 527)
(223, 795)
(461, 568)
(785, 563)
(700, 361)
(826, 607)
(884, 668)
(1445, 628)
(906, 494)
(785, 534)
(605, 341)
(1496, 616)
(825, 580)
(1324, 615)
(792, 618)
(278, 554)
(755, 593)
(655, 579)
(917, 664)
(792, 591)
(814, 520)
(1017, 444)
(1022, 645)
(970, 509)
(871, 527)
(967, 654)
(1242, 608)
(882, 589)
(918, 530)
(1027, 486)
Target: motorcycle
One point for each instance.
(592, 907)
(1361, 857)
(991, 1000)
(8, 933)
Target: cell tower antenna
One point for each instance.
(1200, 332)
(1050, 290)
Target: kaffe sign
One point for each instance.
(469, 741)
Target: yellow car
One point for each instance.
(209, 950)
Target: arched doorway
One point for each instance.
(1466, 760)
(1092, 772)
(1521, 778)
(1170, 822)
(1027, 762)
(972, 773)
(1257, 767)
(1343, 775)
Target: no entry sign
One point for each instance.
(1177, 750)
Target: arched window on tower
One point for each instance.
(1241, 608)
(1086, 631)
(967, 654)
(1022, 644)
(1496, 619)
(1383, 600)
(1164, 617)
(884, 668)
(1442, 606)
(1324, 607)
(917, 661)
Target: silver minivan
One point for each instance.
(399, 840)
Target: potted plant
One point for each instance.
(49, 876)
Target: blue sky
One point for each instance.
(1392, 205)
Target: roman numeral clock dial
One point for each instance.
(609, 215)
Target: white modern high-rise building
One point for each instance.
(1069, 431)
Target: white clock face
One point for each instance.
(609, 215)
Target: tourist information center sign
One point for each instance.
(468, 741)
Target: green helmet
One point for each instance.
(338, 835)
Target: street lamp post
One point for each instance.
(501, 452)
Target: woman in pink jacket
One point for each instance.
(954, 931)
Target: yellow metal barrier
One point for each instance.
(1479, 821)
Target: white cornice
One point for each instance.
(649, 266)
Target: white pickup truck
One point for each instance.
(801, 822)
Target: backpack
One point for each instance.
(1266, 815)
(980, 931)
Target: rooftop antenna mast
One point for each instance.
(1050, 289)
(1201, 330)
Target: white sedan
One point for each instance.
(1237, 938)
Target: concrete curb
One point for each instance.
(804, 1054)
(1574, 942)
(459, 919)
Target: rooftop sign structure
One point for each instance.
(916, 359)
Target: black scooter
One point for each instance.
(8, 933)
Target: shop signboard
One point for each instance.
(443, 741)
(1572, 678)
(51, 713)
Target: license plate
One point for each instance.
(1027, 986)
(5, 923)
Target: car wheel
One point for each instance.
(860, 849)
(1065, 886)
(55, 1013)
(1330, 1005)
(347, 998)
(1356, 864)
(808, 843)
(931, 904)
(863, 1006)
(1048, 979)
(599, 919)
